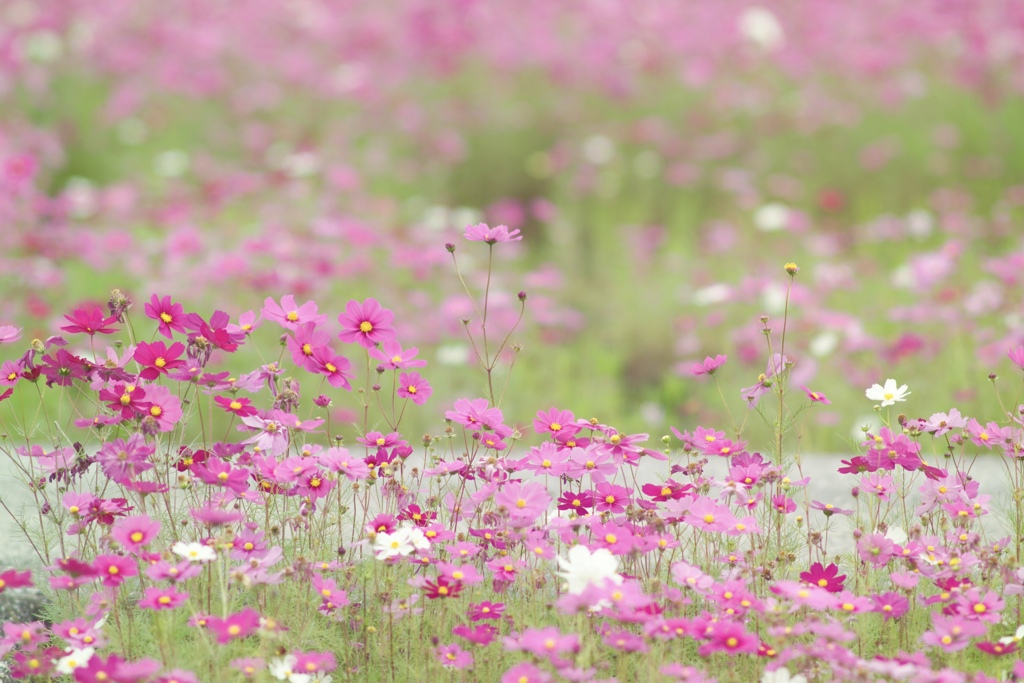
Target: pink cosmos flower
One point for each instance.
(500, 233)
(366, 324)
(1017, 356)
(170, 315)
(476, 415)
(486, 610)
(135, 532)
(729, 637)
(114, 569)
(306, 338)
(9, 333)
(709, 365)
(242, 407)
(15, 579)
(271, 437)
(952, 633)
(478, 635)
(393, 357)
(828, 577)
(237, 625)
(453, 657)
(325, 361)
(412, 386)
(526, 673)
(157, 598)
(164, 407)
(816, 396)
(290, 316)
(555, 422)
(217, 472)
(523, 502)
(891, 605)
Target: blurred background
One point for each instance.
(662, 158)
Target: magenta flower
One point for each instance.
(412, 386)
(62, 368)
(476, 415)
(500, 233)
(156, 598)
(309, 663)
(170, 315)
(306, 338)
(526, 673)
(123, 460)
(237, 625)
(217, 472)
(91, 322)
(158, 359)
(876, 549)
(126, 399)
(478, 635)
(366, 324)
(394, 357)
(709, 365)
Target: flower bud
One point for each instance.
(792, 268)
(450, 246)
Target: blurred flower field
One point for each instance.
(398, 295)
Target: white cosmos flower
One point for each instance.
(1016, 637)
(281, 669)
(74, 659)
(403, 541)
(194, 552)
(762, 28)
(584, 568)
(782, 675)
(887, 394)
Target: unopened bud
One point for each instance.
(450, 246)
(522, 296)
(792, 268)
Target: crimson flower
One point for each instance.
(91, 322)
(824, 577)
(443, 588)
(15, 579)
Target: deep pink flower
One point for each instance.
(126, 399)
(366, 324)
(729, 637)
(158, 359)
(828, 577)
(91, 322)
(311, 662)
(307, 338)
(476, 415)
(486, 610)
(412, 386)
(170, 315)
(952, 633)
(526, 673)
(891, 605)
(479, 635)
(62, 368)
(15, 579)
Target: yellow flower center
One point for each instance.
(136, 537)
(164, 600)
(554, 426)
(709, 518)
(292, 316)
(160, 362)
(155, 411)
(166, 317)
(366, 327)
(520, 503)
